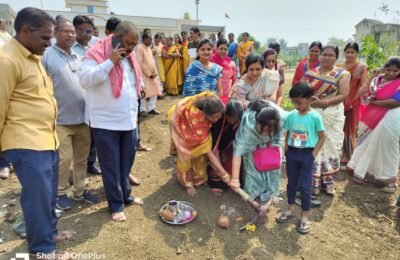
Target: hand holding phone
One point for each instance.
(118, 53)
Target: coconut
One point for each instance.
(223, 221)
(168, 215)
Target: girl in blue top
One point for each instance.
(202, 74)
(304, 139)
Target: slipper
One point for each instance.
(134, 180)
(303, 227)
(283, 217)
(358, 180)
(389, 189)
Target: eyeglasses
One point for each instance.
(85, 31)
(66, 32)
(328, 56)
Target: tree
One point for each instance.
(374, 55)
(271, 40)
(337, 41)
(283, 44)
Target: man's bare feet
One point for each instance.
(64, 235)
(134, 180)
(118, 216)
(143, 148)
(191, 191)
(136, 202)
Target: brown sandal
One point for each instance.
(358, 180)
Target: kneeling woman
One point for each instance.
(261, 125)
(191, 120)
(223, 134)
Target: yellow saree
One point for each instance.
(173, 71)
(244, 49)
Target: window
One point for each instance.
(90, 9)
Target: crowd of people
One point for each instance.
(69, 97)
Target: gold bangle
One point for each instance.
(234, 180)
(327, 103)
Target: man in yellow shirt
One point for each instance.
(28, 112)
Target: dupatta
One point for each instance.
(373, 114)
(190, 129)
(248, 138)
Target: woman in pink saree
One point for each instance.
(376, 158)
(229, 69)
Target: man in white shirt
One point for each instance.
(84, 33)
(112, 78)
(4, 35)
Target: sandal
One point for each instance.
(283, 217)
(303, 227)
(389, 188)
(330, 190)
(358, 180)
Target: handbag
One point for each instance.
(267, 158)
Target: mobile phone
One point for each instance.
(115, 41)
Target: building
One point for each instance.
(88, 6)
(382, 32)
(99, 11)
(300, 50)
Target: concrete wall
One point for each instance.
(99, 6)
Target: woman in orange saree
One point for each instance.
(191, 120)
(359, 73)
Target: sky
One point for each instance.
(293, 20)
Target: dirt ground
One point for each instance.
(360, 222)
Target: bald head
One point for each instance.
(128, 33)
(125, 28)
